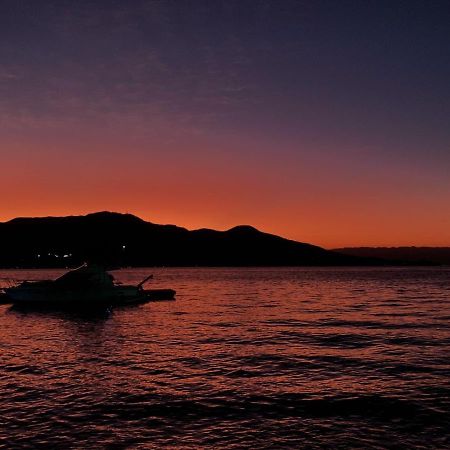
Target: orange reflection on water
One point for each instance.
(285, 343)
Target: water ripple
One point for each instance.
(245, 358)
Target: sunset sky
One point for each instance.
(323, 121)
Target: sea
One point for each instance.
(314, 358)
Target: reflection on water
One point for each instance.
(245, 357)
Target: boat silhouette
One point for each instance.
(87, 286)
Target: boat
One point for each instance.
(86, 286)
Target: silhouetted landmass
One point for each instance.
(413, 255)
(126, 240)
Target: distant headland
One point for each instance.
(408, 255)
(122, 240)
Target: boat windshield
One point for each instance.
(86, 275)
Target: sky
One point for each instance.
(322, 121)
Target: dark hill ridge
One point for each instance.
(411, 255)
(126, 240)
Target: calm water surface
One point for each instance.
(245, 358)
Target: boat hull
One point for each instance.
(84, 299)
(37, 295)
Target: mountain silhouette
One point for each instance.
(126, 240)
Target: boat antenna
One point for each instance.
(145, 280)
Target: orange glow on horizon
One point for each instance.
(318, 201)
